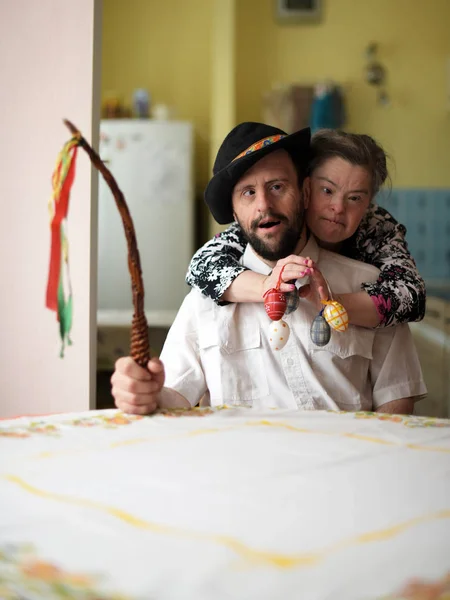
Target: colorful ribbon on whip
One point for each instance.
(59, 289)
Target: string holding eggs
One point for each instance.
(332, 316)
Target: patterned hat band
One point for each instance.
(267, 141)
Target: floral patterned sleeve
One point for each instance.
(399, 293)
(216, 264)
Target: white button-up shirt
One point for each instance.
(223, 352)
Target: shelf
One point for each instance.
(122, 318)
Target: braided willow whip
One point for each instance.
(139, 346)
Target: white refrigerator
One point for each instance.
(152, 162)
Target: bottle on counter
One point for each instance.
(141, 103)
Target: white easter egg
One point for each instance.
(278, 334)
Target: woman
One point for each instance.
(344, 219)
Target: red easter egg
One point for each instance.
(275, 304)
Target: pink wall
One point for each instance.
(49, 69)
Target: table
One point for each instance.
(224, 503)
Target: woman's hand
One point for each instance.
(295, 267)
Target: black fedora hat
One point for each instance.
(245, 145)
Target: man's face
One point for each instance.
(337, 196)
(268, 206)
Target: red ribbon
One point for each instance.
(61, 210)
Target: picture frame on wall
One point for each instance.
(298, 11)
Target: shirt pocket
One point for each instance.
(356, 341)
(343, 367)
(234, 363)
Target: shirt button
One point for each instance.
(290, 362)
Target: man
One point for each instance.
(223, 353)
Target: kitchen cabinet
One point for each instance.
(432, 339)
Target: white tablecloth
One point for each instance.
(223, 504)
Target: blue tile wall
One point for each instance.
(426, 215)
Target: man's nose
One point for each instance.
(263, 202)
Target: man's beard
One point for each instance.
(286, 244)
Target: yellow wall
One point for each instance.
(223, 90)
(414, 44)
(165, 48)
(172, 49)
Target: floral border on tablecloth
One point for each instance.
(43, 427)
(421, 589)
(115, 419)
(106, 421)
(23, 574)
(406, 420)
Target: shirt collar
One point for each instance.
(255, 263)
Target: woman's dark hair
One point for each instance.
(357, 149)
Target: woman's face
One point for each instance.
(336, 195)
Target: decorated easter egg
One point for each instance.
(278, 334)
(292, 301)
(320, 331)
(275, 304)
(336, 316)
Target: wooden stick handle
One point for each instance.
(139, 346)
